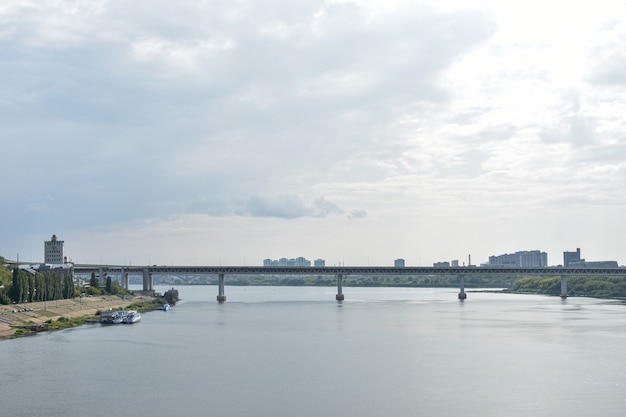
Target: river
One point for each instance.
(295, 351)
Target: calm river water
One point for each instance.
(295, 351)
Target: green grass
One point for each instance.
(66, 322)
(147, 305)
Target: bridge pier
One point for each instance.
(339, 296)
(220, 291)
(563, 286)
(124, 278)
(462, 295)
(148, 285)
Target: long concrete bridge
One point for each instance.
(339, 271)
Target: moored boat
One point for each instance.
(117, 318)
(132, 317)
(112, 317)
(165, 307)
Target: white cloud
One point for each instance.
(287, 206)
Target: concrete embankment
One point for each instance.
(15, 315)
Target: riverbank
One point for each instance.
(41, 312)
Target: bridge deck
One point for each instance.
(344, 270)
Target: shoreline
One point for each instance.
(40, 312)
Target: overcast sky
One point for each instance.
(229, 131)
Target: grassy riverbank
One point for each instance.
(15, 319)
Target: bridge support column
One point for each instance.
(101, 276)
(220, 290)
(125, 282)
(462, 295)
(147, 281)
(339, 296)
(563, 286)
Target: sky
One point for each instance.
(226, 132)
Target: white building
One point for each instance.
(525, 259)
(300, 261)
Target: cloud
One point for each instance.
(576, 130)
(287, 206)
(609, 60)
(357, 214)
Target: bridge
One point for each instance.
(339, 271)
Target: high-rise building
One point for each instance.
(53, 251)
(319, 262)
(300, 261)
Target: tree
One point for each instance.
(68, 286)
(5, 283)
(108, 285)
(116, 288)
(38, 288)
(94, 281)
(21, 287)
(53, 286)
(5, 276)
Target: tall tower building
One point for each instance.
(53, 251)
(570, 258)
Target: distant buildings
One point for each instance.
(573, 260)
(300, 261)
(523, 259)
(398, 263)
(53, 251)
(597, 264)
(53, 259)
(442, 264)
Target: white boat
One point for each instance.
(117, 318)
(132, 316)
(165, 307)
(112, 317)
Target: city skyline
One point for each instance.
(358, 132)
(54, 251)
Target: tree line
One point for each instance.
(21, 286)
(46, 286)
(110, 286)
(588, 286)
